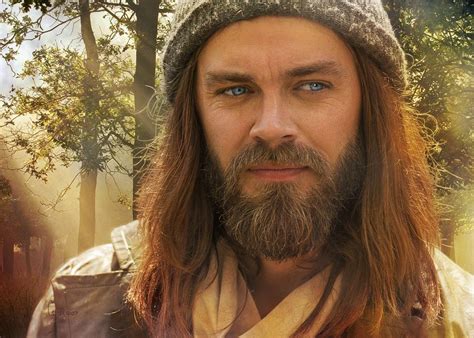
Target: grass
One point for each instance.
(18, 298)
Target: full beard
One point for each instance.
(281, 220)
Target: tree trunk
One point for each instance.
(26, 248)
(144, 82)
(47, 246)
(8, 255)
(92, 54)
(90, 147)
(87, 210)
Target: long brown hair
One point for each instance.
(385, 247)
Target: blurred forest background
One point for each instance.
(76, 97)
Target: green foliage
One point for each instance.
(54, 110)
(438, 38)
(42, 5)
(23, 26)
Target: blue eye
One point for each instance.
(313, 86)
(236, 91)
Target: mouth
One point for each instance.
(277, 172)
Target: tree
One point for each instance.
(6, 224)
(145, 21)
(89, 153)
(73, 115)
(89, 144)
(149, 31)
(146, 29)
(437, 35)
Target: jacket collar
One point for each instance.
(127, 246)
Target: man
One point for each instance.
(289, 196)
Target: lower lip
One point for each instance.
(277, 174)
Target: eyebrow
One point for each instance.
(321, 67)
(216, 78)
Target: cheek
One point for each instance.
(331, 124)
(338, 135)
(225, 134)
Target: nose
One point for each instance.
(273, 124)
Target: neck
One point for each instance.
(275, 279)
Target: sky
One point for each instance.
(69, 36)
(8, 77)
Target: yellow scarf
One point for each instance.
(224, 306)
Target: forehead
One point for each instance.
(273, 44)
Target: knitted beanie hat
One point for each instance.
(363, 23)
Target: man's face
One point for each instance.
(279, 100)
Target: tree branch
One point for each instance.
(133, 5)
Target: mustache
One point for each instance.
(287, 153)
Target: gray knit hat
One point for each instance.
(363, 23)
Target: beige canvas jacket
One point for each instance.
(86, 296)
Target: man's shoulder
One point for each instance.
(96, 260)
(109, 265)
(87, 297)
(118, 256)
